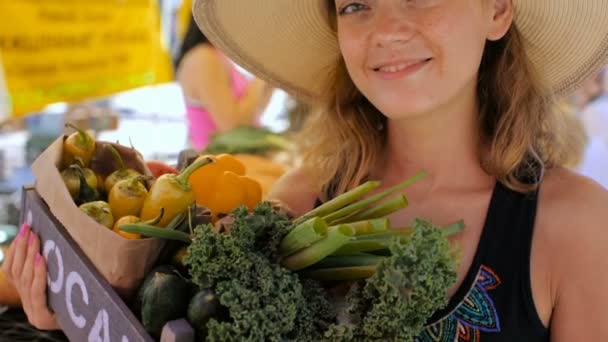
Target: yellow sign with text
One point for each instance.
(71, 50)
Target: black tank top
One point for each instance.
(494, 302)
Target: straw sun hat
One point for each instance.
(291, 44)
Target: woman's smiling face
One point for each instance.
(411, 57)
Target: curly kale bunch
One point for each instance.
(407, 288)
(266, 302)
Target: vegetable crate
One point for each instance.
(86, 306)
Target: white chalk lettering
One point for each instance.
(100, 326)
(57, 284)
(62, 281)
(75, 279)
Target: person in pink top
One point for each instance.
(218, 97)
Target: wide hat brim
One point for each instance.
(290, 43)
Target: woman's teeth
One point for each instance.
(393, 68)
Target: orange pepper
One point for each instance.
(228, 194)
(204, 181)
(223, 186)
(231, 163)
(253, 190)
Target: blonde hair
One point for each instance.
(524, 134)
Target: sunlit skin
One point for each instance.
(417, 62)
(412, 58)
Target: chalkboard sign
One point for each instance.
(86, 306)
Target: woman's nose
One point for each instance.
(392, 28)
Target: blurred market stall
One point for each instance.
(71, 51)
(90, 64)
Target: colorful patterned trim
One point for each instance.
(475, 314)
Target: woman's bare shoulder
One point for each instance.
(571, 237)
(201, 57)
(566, 196)
(572, 218)
(206, 52)
(294, 190)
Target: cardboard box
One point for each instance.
(86, 306)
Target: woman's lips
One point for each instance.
(399, 70)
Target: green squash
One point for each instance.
(204, 306)
(164, 297)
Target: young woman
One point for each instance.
(462, 89)
(218, 97)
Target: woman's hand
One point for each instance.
(26, 270)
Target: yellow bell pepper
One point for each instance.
(172, 193)
(223, 186)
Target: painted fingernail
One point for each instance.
(38, 259)
(23, 229)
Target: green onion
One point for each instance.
(303, 236)
(365, 245)
(403, 233)
(454, 228)
(340, 201)
(336, 238)
(152, 231)
(378, 241)
(335, 216)
(373, 242)
(447, 231)
(370, 226)
(383, 209)
(341, 273)
(177, 221)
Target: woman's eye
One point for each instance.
(351, 8)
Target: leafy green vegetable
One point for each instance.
(407, 288)
(266, 302)
(246, 139)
